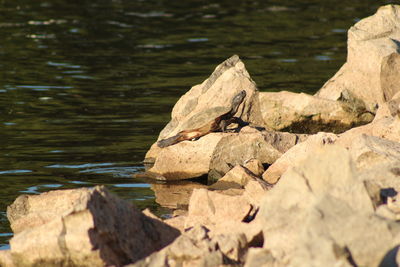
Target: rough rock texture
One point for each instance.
(186, 159)
(82, 227)
(372, 70)
(174, 195)
(236, 149)
(320, 214)
(200, 102)
(303, 113)
(196, 248)
(216, 153)
(296, 154)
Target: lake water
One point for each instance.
(85, 87)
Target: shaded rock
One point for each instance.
(255, 166)
(174, 195)
(96, 229)
(196, 248)
(237, 177)
(303, 113)
(259, 257)
(229, 78)
(320, 214)
(236, 149)
(372, 70)
(297, 154)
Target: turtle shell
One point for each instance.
(202, 118)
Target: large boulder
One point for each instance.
(82, 227)
(372, 70)
(216, 153)
(321, 214)
(201, 101)
(303, 113)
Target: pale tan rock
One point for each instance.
(95, 229)
(372, 70)
(297, 154)
(303, 113)
(237, 177)
(187, 159)
(196, 248)
(320, 213)
(6, 258)
(255, 190)
(213, 155)
(209, 208)
(390, 108)
(255, 166)
(228, 78)
(369, 152)
(259, 257)
(236, 149)
(386, 127)
(174, 195)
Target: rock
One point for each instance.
(303, 113)
(369, 152)
(214, 154)
(255, 166)
(93, 228)
(386, 127)
(187, 159)
(235, 216)
(320, 214)
(390, 108)
(372, 70)
(237, 177)
(205, 208)
(297, 154)
(6, 259)
(255, 190)
(175, 195)
(238, 148)
(196, 248)
(225, 82)
(259, 257)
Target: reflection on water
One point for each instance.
(85, 89)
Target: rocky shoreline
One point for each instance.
(311, 180)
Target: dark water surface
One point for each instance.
(86, 86)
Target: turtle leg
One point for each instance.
(223, 124)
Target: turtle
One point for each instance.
(223, 116)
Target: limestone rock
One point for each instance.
(369, 152)
(237, 177)
(187, 159)
(229, 78)
(372, 70)
(385, 127)
(216, 153)
(320, 214)
(6, 259)
(174, 195)
(94, 228)
(196, 248)
(303, 113)
(255, 166)
(236, 149)
(296, 154)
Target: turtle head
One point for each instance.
(238, 99)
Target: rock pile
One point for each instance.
(323, 194)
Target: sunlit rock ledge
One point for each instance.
(323, 194)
